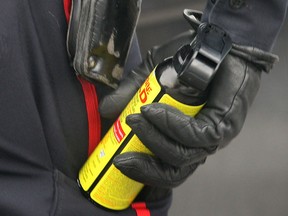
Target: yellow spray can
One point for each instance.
(180, 81)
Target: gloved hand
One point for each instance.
(180, 143)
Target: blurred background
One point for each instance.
(250, 176)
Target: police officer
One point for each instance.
(43, 132)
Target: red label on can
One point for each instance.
(118, 131)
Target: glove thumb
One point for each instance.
(111, 105)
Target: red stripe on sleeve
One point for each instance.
(141, 209)
(94, 121)
(91, 99)
(67, 8)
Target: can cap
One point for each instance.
(197, 63)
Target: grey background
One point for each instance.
(250, 176)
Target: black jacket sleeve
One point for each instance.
(249, 22)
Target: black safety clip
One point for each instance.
(199, 61)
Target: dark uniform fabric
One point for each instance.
(248, 22)
(43, 121)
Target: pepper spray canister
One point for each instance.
(180, 81)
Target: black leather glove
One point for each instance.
(179, 142)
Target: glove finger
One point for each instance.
(184, 129)
(151, 171)
(164, 147)
(221, 119)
